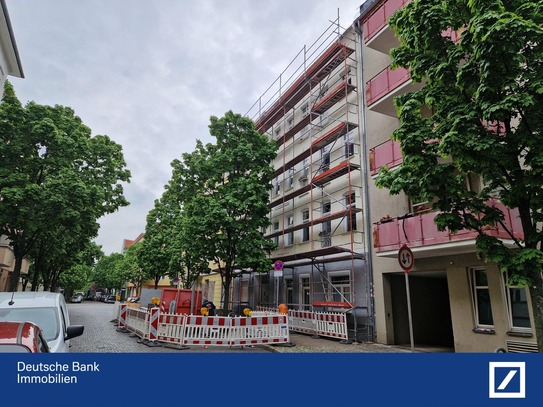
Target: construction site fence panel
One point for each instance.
(137, 321)
(329, 324)
(187, 330)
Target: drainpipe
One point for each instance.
(366, 180)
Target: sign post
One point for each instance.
(407, 261)
(278, 273)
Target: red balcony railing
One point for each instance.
(420, 230)
(378, 19)
(384, 82)
(387, 154)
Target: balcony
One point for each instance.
(419, 232)
(387, 154)
(377, 34)
(381, 89)
(334, 96)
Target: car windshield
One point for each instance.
(45, 318)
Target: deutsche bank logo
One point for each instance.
(507, 380)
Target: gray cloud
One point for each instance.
(149, 74)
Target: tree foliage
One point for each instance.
(478, 112)
(56, 181)
(223, 189)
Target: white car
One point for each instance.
(45, 309)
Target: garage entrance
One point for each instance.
(430, 306)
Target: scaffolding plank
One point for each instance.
(334, 172)
(332, 57)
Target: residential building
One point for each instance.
(459, 302)
(10, 65)
(312, 111)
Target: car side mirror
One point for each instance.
(74, 330)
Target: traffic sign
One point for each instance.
(278, 265)
(406, 258)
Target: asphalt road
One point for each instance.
(101, 336)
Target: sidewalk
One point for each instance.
(309, 344)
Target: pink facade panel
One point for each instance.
(379, 18)
(420, 230)
(387, 154)
(384, 82)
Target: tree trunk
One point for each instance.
(536, 294)
(16, 273)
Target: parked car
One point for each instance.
(76, 298)
(110, 299)
(45, 309)
(22, 337)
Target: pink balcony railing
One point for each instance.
(378, 19)
(384, 82)
(387, 154)
(420, 230)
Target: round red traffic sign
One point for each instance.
(406, 258)
(278, 265)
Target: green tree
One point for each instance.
(478, 112)
(53, 174)
(225, 192)
(109, 271)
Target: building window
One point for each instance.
(517, 306)
(351, 216)
(289, 292)
(305, 231)
(277, 186)
(277, 133)
(349, 144)
(290, 235)
(326, 226)
(290, 123)
(481, 298)
(305, 293)
(305, 109)
(340, 289)
(290, 179)
(325, 159)
(275, 229)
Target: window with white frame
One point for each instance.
(290, 235)
(350, 203)
(305, 109)
(275, 229)
(325, 159)
(481, 297)
(305, 292)
(289, 291)
(277, 133)
(349, 144)
(340, 287)
(305, 231)
(517, 306)
(290, 179)
(277, 186)
(290, 122)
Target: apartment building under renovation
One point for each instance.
(312, 111)
(458, 301)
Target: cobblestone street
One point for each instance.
(101, 336)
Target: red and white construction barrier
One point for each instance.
(333, 325)
(259, 330)
(330, 324)
(201, 330)
(170, 328)
(137, 321)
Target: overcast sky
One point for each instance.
(150, 73)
